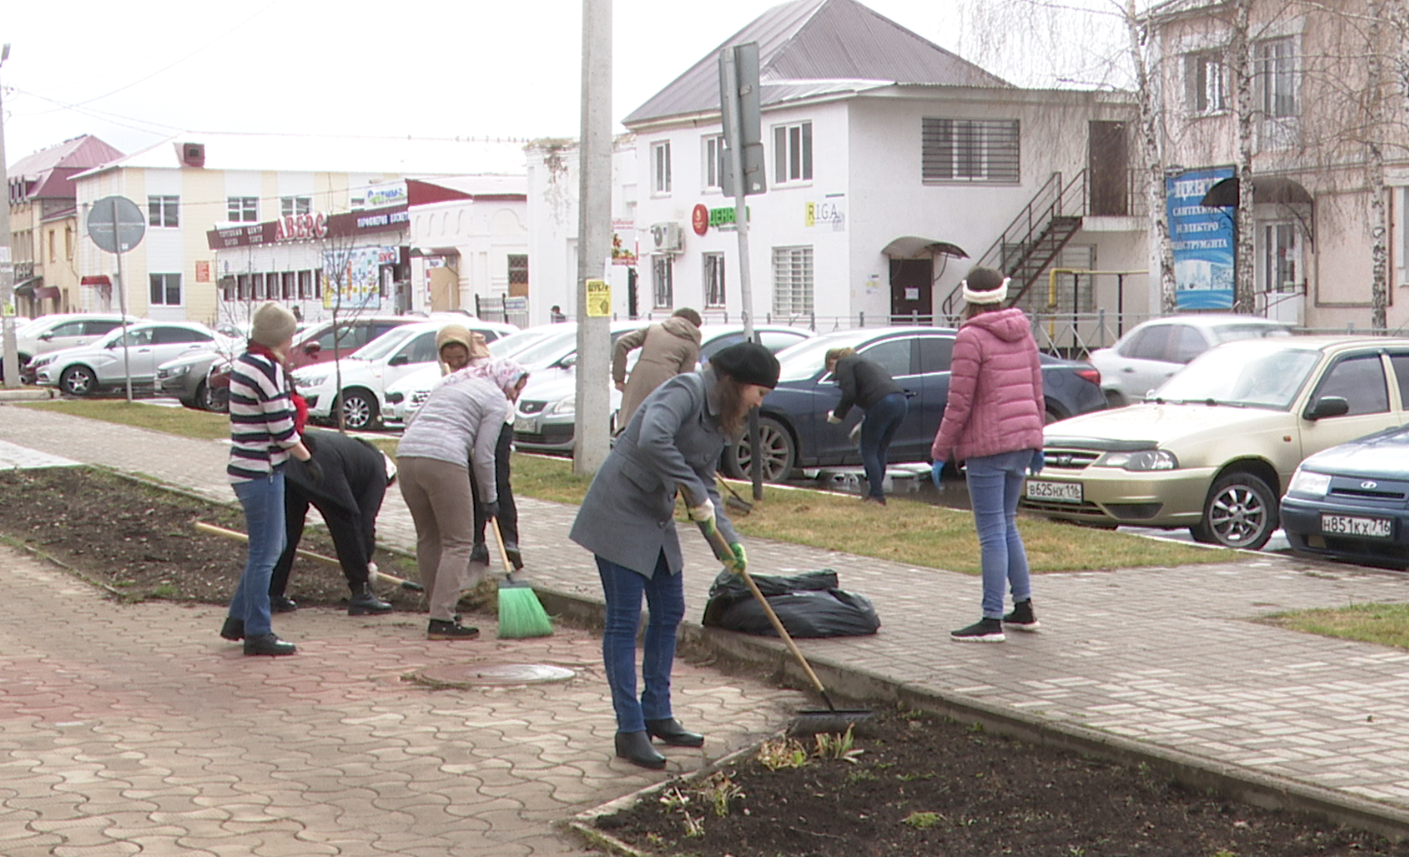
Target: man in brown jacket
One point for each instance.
(667, 349)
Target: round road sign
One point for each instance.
(116, 224)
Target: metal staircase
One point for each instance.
(1032, 241)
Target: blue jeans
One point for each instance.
(882, 421)
(995, 484)
(263, 502)
(665, 599)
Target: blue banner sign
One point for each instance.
(1203, 241)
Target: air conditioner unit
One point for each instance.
(668, 237)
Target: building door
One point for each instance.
(444, 283)
(911, 289)
(1108, 169)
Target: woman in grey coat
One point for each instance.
(671, 445)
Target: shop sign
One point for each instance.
(353, 276)
(301, 227)
(722, 218)
(1202, 239)
(202, 272)
(699, 219)
(384, 195)
(830, 210)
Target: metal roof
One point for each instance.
(48, 173)
(818, 47)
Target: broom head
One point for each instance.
(520, 612)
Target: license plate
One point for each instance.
(1061, 492)
(1347, 525)
(527, 425)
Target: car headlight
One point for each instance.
(174, 371)
(42, 361)
(1141, 460)
(565, 406)
(1309, 482)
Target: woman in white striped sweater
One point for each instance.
(263, 436)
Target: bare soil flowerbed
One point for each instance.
(926, 785)
(139, 540)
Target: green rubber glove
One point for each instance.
(740, 560)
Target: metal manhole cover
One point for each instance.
(474, 675)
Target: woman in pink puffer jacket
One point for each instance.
(993, 422)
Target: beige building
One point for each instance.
(1316, 123)
(44, 227)
(193, 184)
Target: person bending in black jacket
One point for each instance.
(346, 484)
(867, 385)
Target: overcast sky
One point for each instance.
(134, 73)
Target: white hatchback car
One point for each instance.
(369, 371)
(104, 364)
(62, 330)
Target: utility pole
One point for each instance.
(592, 427)
(9, 348)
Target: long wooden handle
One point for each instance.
(503, 551)
(316, 557)
(717, 539)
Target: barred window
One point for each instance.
(714, 279)
(663, 281)
(792, 281)
(970, 150)
(518, 269)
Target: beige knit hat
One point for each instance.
(272, 325)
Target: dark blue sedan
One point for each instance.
(1351, 502)
(793, 428)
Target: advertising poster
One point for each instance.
(352, 277)
(1203, 241)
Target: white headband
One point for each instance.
(996, 296)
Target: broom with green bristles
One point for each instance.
(520, 612)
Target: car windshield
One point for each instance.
(805, 359)
(517, 343)
(1235, 332)
(386, 343)
(1248, 374)
(552, 347)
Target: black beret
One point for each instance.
(747, 363)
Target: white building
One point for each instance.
(885, 157)
(193, 184)
(469, 237)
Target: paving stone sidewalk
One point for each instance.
(1166, 656)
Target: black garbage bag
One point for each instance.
(809, 605)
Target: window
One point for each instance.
(1400, 362)
(421, 349)
(177, 335)
(305, 285)
(935, 354)
(792, 281)
(53, 252)
(969, 150)
(1150, 343)
(893, 355)
(1275, 72)
(1279, 257)
(70, 328)
(714, 279)
(662, 282)
(68, 243)
(1187, 342)
(165, 289)
(291, 205)
(1204, 83)
(258, 280)
(1360, 381)
(290, 289)
(518, 269)
(244, 209)
(792, 153)
(660, 167)
(98, 328)
(246, 287)
(714, 163)
(162, 211)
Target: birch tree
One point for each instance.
(1148, 102)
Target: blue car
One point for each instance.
(793, 428)
(1351, 502)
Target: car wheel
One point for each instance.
(776, 444)
(78, 381)
(1240, 512)
(216, 400)
(1114, 399)
(359, 410)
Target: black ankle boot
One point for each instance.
(268, 644)
(635, 747)
(233, 629)
(282, 604)
(365, 602)
(671, 732)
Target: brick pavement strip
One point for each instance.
(1165, 656)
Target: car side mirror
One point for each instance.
(312, 349)
(1327, 406)
(47, 335)
(399, 360)
(568, 361)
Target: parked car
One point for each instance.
(59, 331)
(202, 380)
(100, 365)
(1351, 502)
(367, 372)
(793, 427)
(1219, 442)
(547, 410)
(1151, 352)
(407, 395)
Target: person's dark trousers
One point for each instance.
(508, 512)
(882, 421)
(665, 604)
(354, 539)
